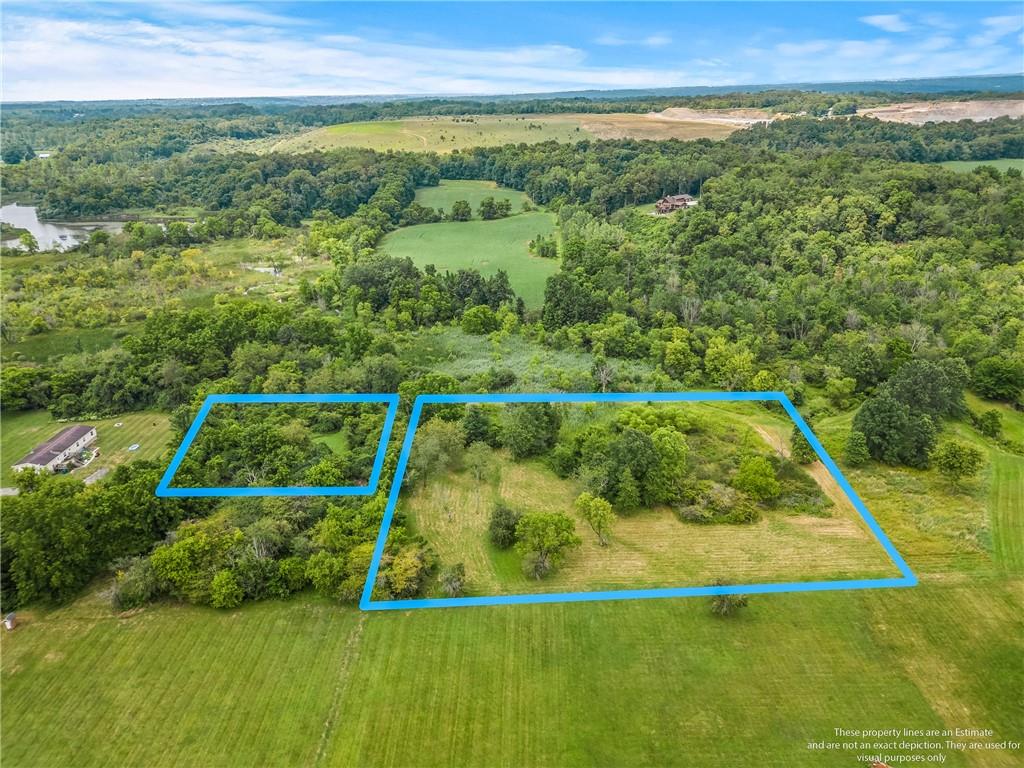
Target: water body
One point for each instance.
(52, 235)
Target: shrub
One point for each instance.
(224, 590)
(134, 585)
(756, 477)
(502, 528)
(855, 451)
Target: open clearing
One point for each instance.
(444, 134)
(648, 549)
(24, 430)
(444, 195)
(920, 112)
(966, 166)
(486, 246)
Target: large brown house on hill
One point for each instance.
(674, 203)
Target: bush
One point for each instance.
(989, 423)
(727, 605)
(956, 460)
(756, 477)
(453, 579)
(224, 590)
(503, 524)
(855, 451)
(135, 585)
(999, 378)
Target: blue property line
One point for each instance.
(367, 603)
(164, 488)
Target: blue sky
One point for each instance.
(204, 49)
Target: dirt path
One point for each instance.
(816, 470)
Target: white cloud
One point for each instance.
(651, 41)
(889, 22)
(995, 29)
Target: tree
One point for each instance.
(894, 433)
(461, 211)
(989, 423)
(529, 429)
(855, 450)
(28, 242)
(999, 378)
(664, 483)
(438, 448)
(597, 512)
(453, 579)
(802, 452)
(224, 590)
(479, 320)
(478, 460)
(839, 391)
(502, 528)
(627, 492)
(489, 209)
(543, 538)
(756, 477)
(955, 460)
(478, 426)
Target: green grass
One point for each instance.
(661, 682)
(965, 166)
(42, 347)
(439, 134)
(447, 192)
(486, 246)
(22, 431)
(336, 441)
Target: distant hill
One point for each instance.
(931, 85)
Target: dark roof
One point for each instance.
(44, 454)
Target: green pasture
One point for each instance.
(486, 246)
(447, 192)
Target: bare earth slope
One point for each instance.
(920, 112)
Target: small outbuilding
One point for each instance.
(59, 450)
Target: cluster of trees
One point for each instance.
(58, 533)
(542, 539)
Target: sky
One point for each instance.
(86, 51)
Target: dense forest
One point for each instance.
(820, 259)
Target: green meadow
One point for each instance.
(486, 246)
(444, 195)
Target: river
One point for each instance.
(52, 235)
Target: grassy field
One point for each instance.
(448, 191)
(651, 548)
(965, 166)
(305, 682)
(444, 134)
(22, 431)
(486, 246)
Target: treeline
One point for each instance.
(139, 131)
(869, 137)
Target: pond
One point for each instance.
(52, 235)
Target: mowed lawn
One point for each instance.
(486, 246)
(444, 195)
(309, 683)
(23, 431)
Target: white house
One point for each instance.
(58, 449)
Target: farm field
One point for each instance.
(535, 685)
(966, 166)
(23, 430)
(449, 190)
(486, 246)
(445, 134)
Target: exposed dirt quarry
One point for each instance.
(920, 112)
(738, 118)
